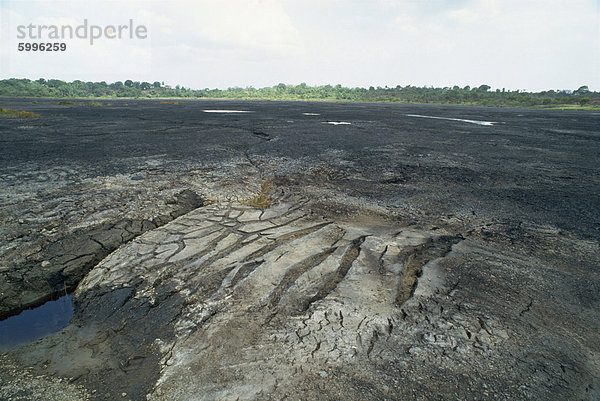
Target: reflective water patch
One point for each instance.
(36, 323)
(226, 111)
(455, 119)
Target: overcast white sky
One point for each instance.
(516, 44)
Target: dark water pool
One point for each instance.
(35, 323)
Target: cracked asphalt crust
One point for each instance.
(230, 301)
(396, 262)
(60, 265)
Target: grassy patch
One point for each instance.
(17, 114)
(261, 199)
(69, 103)
(570, 107)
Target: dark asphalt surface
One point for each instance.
(520, 294)
(531, 165)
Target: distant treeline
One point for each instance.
(480, 95)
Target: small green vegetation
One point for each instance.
(261, 199)
(571, 107)
(69, 103)
(17, 114)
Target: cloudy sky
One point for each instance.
(513, 44)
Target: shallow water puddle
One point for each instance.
(455, 119)
(36, 323)
(226, 111)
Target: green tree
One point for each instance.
(584, 100)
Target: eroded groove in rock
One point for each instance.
(372, 342)
(348, 258)
(210, 247)
(209, 283)
(244, 271)
(285, 239)
(238, 244)
(413, 261)
(296, 271)
(262, 135)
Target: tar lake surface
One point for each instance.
(520, 184)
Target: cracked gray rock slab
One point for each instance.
(28, 280)
(234, 302)
(260, 295)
